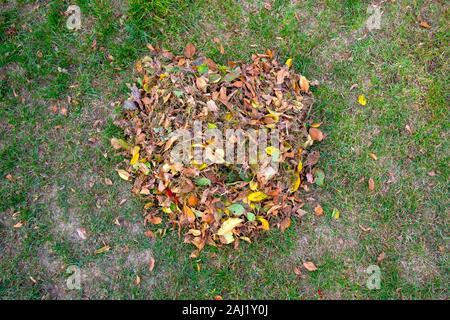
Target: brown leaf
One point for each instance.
(189, 51)
(423, 23)
(151, 264)
(371, 184)
(201, 84)
(312, 158)
(373, 156)
(108, 182)
(285, 223)
(316, 134)
(365, 229)
(297, 271)
(381, 257)
(218, 297)
(310, 266)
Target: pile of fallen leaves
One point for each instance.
(219, 203)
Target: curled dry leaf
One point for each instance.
(151, 264)
(102, 249)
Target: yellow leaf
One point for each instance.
(336, 214)
(316, 125)
(272, 151)
(123, 174)
(195, 232)
(102, 249)
(253, 185)
(295, 183)
(289, 62)
(264, 223)
(362, 100)
(247, 239)
(228, 238)
(135, 157)
(274, 115)
(228, 226)
(256, 196)
(300, 166)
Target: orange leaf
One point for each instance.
(316, 134)
(318, 210)
(192, 200)
(151, 264)
(371, 184)
(304, 84)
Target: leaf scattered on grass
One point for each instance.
(310, 266)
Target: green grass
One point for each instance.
(59, 162)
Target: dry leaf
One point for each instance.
(123, 174)
(264, 223)
(151, 264)
(81, 232)
(381, 257)
(371, 184)
(316, 134)
(318, 211)
(189, 51)
(229, 225)
(285, 223)
(310, 266)
(149, 234)
(304, 84)
(102, 249)
(256, 196)
(373, 156)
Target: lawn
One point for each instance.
(61, 91)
